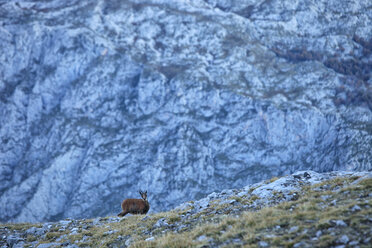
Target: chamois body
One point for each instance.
(135, 206)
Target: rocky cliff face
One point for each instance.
(101, 98)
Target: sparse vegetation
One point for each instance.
(330, 213)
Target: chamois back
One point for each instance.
(135, 206)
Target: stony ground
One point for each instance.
(306, 209)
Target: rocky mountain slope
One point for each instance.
(181, 98)
(305, 209)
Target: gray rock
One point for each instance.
(319, 233)
(35, 231)
(48, 245)
(356, 208)
(325, 197)
(354, 243)
(201, 238)
(213, 195)
(109, 232)
(344, 239)
(300, 244)
(184, 206)
(64, 222)
(96, 221)
(367, 240)
(340, 223)
(161, 223)
(114, 219)
(263, 244)
(242, 193)
(182, 97)
(20, 244)
(74, 231)
(12, 240)
(128, 242)
(202, 204)
(47, 226)
(61, 238)
(150, 239)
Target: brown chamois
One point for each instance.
(135, 206)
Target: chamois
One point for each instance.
(135, 206)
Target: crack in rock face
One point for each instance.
(181, 98)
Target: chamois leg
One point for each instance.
(122, 214)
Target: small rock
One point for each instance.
(61, 237)
(367, 240)
(242, 193)
(96, 221)
(128, 242)
(325, 197)
(74, 230)
(110, 232)
(47, 226)
(293, 229)
(340, 223)
(269, 236)
(185, 206)
(263, 244)
(35, 231)
(201, 238)
(160, 223)
(21, 244)
(227, 191)
(150, 239)
(319, 233)
(235, 241)
(353, 243)
(356, 208)
(180, 227)
(65, 222)
(299, 244)
(54, 244)
(212, 195)
(344, 239)
(204, 203)
(12, 240)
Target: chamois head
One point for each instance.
(135, 206)
(143, 195)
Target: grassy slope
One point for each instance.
(320, 217)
